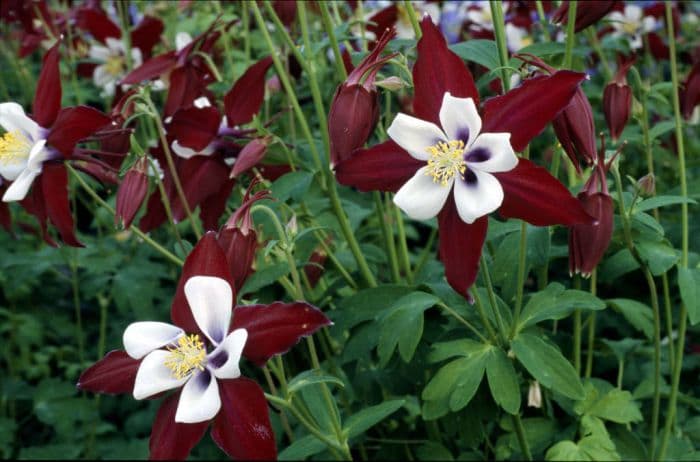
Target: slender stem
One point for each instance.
(403, 246)
(425, 253)
(466, 323)
(492, 299)
(413, 17)
(522, 269)
(499, 29)
(682, 315)
(484, 318)
(162, 250)
(577, 331)
(591, 326)
(520, 432)
(543, 20)
(328, 26)
(75, 285)
(388, 235)
(570, 35)
(126, 34)
(595, 43)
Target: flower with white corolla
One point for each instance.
(458, 157)
(22, 150)
(173, 358)
(112, 63)
(632, 23)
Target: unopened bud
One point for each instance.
(647, 185)
(534, 395)
(392, 83)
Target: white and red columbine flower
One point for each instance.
(455, 162)
(198, 354)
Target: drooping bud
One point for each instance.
(315, 267)
(132, 191)
(588, 242)
(250, 156)
(587, 13)
(239, 239)
(617, 101)
(534, 395)
(355, 110)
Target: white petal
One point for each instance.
(492, 152)
(101, 76)
(115, 45)
(140, 338)
(199, 400)
(459, 118)
(182, 39)
(202, 102)
(38, 155)
(223, 361)
(12, 117)
(154, 376)
(100, 53)
(211, 302)
(11, 170)
(633, 13)
(186, 153)
(421, 198)
(415, 135)
(477, 198)
(20, 187)
(136, 57)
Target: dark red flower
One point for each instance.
(617, 100)
(587, 13)
(212, 387)
(450, 145)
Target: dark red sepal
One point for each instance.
(74, 124)
(384, 167)
(460, 247)
(171, 440)
(34, 204)
(244, 99)
(47, 99)
(242, 428)
(97, 23)
(274, 329)
(147, 34)
(5, 217)
(206, 259)
(113, 374)
(201, 178)
(151, 69)
(532, 194)
(54, 187)
(438, 70)
(195, 127)
(526, 110)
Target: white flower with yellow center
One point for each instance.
(22, 150)
(632, 23)
(112, 65)
(172, 358)
(457, 156)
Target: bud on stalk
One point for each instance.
(132, 191)
(617, 101)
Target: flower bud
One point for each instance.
(315, 267)
(534, 395)
(647, 185)
(250, 155)
(392, 83)
(617, 101)
(132, 191)
(575, 130)
(587, 13)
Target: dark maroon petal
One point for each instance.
(250, 156)
(131, 193)
(195, 127)
(47, 99)
(617, 105)
(353, 115)
(587, 13)
(151, 69)
(171, 440)
(186, 85)
(242, 428)
(54, 187)
(588, 242)
(211, 208)
(147, 34)
(201, 177)
(690, 94)
(206, 259)
(382, 20)
(5, 217)
(533, 195)
(274, 329)
(438, 70)
(246, 96)
(460, 247)
(384, 167)
(658, 48)
(74, 124)
(97, 23)
(113, 374)
(34, 204)
(286, 10)
(526, 110)
(240, 250)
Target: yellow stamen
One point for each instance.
(186, 357)
(446, 160)
(115, 65)
(14, 148)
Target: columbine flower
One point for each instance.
(199, 354)
(632, 23)
(112, 63)
(471, 155)
(457, 155)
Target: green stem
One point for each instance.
(492, 299)
(682, 315)
(543, 20)
(328, 26)
(425, 253)
(413, 17)
(466, 323)
(162, 250)
(570, 35)
(403, 246)
(591, 326)
(388, 235)
(75, 285)
(520, 432)
(484, 317)
(499, 29)
(577, 331)
(595, 43)
(126, 35)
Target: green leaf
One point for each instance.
(264, 277)
(433, 451)
(616, 406)
(620, 263)
(658, 255)
(302, 448)
(291, 185)
(554, 302)
(359, 422)
(628, 445)
(403, 325)
(638, 314)
(480, 51)
(311, 377)
(689, 284)
(503, 381)
(661, 128)
(547, 365)
(366, 305)
(566, 450)
(661, 201)
(538, 245)
(445, 350)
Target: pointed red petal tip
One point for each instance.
(97, 23)
(533, 195)
(170, 440)
(460, 247)
(436, 71)
(47, 99)
(206, 259)
(242, 429)
(53, 182)
(113, 374)
(147, 34)
(195, 127)
(274, 329)
(587, 13)
(74, 124)
(526, 110)
(588, 242)
(384, 167)
(246, 96)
